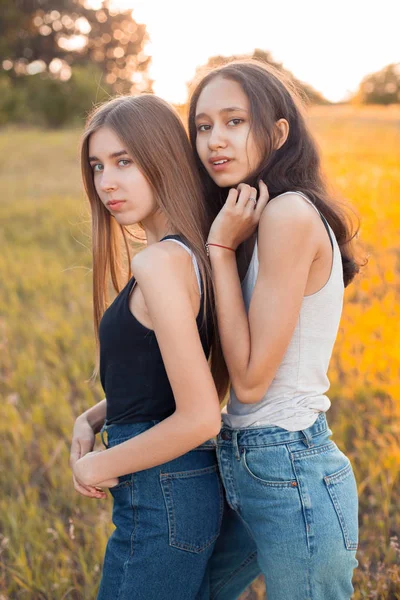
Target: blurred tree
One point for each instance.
(52, 36)
(382, 87)
(305, 90)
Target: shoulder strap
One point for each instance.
(170, 238)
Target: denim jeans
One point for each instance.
(293, 515)
(166, 522)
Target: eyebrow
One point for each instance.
(113, 155)
(230, 109)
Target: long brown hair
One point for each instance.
(293, 167)
(154, 136)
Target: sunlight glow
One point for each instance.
(330, 46)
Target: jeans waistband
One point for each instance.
(272, 435)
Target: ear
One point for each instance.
(282, 132)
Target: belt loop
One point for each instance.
(235, 443)
(307, 438)
(103, 431)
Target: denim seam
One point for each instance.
(306, 510)
(275, 484)
(126, 563)
(242, 566)
(165, 482)
(313, 451)
(330, 482)
(227, 477)
(192, 473)
(135, 515)
(339, 475)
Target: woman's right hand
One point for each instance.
(239, 217)
(83, 439)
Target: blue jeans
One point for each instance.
(293, 515)
(166, 522)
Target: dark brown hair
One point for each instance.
(293, 167)
(154, 136)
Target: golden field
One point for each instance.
(51, 539)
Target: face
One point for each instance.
(121, 186)
(225, 142)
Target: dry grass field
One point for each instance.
(52, 540)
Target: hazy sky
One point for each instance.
(331, 45)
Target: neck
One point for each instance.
(156, 227)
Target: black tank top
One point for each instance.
(132, 371)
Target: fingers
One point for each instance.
(262, 199)
(232, 198)
(78, 449)
(88, 491)
(245, 193)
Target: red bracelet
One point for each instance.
(219, 246)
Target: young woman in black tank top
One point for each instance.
(161, 409)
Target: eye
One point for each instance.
(97, 167)
(203, 127)
(235, 122)
(124, 162)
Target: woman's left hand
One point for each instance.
(240, 215)
(82, 470)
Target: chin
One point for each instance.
(225, 180)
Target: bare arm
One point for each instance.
(83, 439)
(164, 279)
(254, 344)
(95, 415)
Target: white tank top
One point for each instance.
(296, 395)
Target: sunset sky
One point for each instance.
(332, 45)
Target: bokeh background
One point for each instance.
(57, 59)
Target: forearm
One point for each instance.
(96, 415)
(167, 440)
(232, 317)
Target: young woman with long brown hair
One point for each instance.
(291, 491)
(161, 409)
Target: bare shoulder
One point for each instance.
(162, 260)
(289, 213)
(289, 227)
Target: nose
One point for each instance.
(107, 182)
(216, 139)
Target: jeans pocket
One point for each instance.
(342, 489)
(257, 463)
(194, 503)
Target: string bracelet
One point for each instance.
(219, 246)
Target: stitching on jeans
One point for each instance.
(135, 515)
(126, 563)
(278, 443)
(331, 481)
(242, 566)
(313, 451)
(275, 484)
(226, 475)
(304, 509)
(339, 475)
(166, 483)
(186, 474)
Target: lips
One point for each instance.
(115, 204)
(219, 163)
(218, 160)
